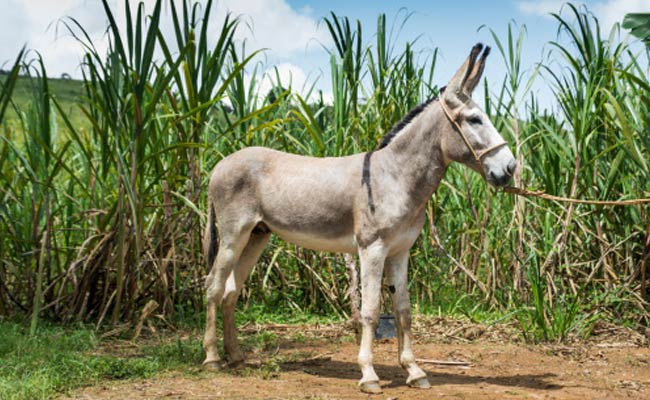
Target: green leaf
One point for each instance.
(309, 122)
(639, 25)
(9, 84)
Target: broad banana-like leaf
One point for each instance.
(639, 25)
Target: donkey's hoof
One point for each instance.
(370, 387)
(422, 383)
(212, 364)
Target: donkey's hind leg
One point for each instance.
(258, 240)
(231, 246)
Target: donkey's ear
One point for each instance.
(477, 72)
(457, 83)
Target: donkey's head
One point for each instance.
(471, 138)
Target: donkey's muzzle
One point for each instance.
(501, 178)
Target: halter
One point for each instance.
(478, 156)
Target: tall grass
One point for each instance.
(101, 218)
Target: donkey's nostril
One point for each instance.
(497, 179)
(511, 167)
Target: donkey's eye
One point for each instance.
(475, 121)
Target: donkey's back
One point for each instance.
(305, 200)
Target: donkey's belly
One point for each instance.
(338, 244)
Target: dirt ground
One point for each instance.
(614, 364)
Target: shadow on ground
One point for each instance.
(396, 375)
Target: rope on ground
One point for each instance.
(543, 195)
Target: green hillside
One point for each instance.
(67, 93)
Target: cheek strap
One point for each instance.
(477, 155)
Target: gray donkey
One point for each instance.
(372, 204)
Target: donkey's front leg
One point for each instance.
(372, 266)
(397, 271)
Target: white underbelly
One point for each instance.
(342, 244)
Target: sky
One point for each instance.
(296, 38)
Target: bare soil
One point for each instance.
(319, 362)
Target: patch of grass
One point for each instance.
(58, 359)
(264, 315)
(299, 337)
(264, 341)
(270, 369)
(177, 353)
(40, 366)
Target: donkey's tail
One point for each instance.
(210, 237)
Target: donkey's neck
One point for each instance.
(416, 156)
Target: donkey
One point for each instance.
(372, 204)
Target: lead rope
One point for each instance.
(530, 193)
(544, 195)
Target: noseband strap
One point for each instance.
(478, 155)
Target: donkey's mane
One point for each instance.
(405, 121)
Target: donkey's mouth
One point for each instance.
(501, 178)
(498, 180)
